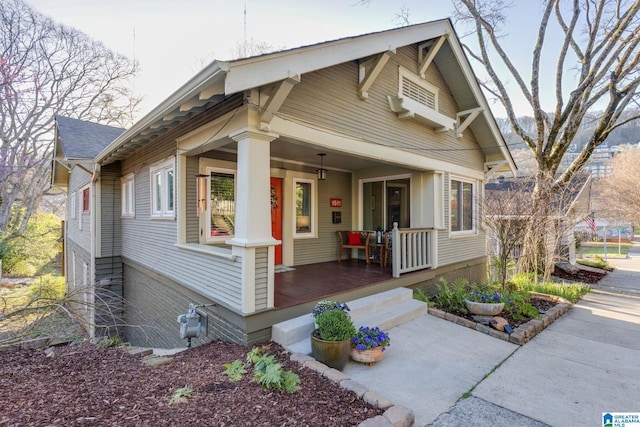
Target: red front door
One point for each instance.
(276, 215)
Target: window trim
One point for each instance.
(208, 170)
(313, 210)
(127, 196)
(73, 214)
(86, 200)
(474, 206)
(163, 168)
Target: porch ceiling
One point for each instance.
(290, 151)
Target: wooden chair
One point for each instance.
(354, 240)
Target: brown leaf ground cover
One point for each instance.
(86, 385)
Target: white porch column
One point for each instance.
(252, 227)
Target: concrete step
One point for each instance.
(385, 310)
(299, 328)
(137, 351)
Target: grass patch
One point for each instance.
(570, 291)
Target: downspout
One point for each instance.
(94, 227)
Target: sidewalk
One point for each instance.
(585, 363)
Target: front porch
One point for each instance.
(313, 282)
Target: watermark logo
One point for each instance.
(621, 419)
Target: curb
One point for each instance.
(522, 333)
(394, 415)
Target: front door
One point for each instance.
(276, 215)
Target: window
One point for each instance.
(462, 209)
(85, 200)
(72, 206)
(305, 207)
(222, 205)
(386, 202)
(163, 190)
(128, 196)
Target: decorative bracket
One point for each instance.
(278, 95)
(492, 167)
(366, 79)
(426, 53)
(471, 115)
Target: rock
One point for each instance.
(483, 320)
(499, 323)
(567, 268)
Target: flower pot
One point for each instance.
(368, 356)
(484, 308)
(334, 354)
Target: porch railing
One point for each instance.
(412, 249)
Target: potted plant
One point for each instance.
(485, 303)
(368, 345)
(331, 340)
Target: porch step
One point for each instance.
(386, 310)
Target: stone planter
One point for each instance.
(368, 356)
(334, 354)
(484, 308)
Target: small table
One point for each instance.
(376, 253)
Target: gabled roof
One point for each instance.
(222, 79)
(79, 139)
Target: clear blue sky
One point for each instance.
(172, 38)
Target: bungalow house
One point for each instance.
(230, 193)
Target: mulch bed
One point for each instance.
(540, 303)
(91, 386)
(584, 275)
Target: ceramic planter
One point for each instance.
(368, 356)
(334, 354)
(484, 308)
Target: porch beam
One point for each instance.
(432, 49)
(278, 95)
(366, 79)
(471, 116)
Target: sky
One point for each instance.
(173, 39)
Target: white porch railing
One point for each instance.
(412, 249)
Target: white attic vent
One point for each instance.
(418, 93)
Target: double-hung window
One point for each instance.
(462, 206)
(127, 195)
(163, 189)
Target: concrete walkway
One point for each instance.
(585, 363)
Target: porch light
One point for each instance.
(322, 172)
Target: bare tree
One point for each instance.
(597, 69)
(253, 47)
(48, 69)
(618, 195)
(507, 209)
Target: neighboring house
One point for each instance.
(566, 209)
(254, 164)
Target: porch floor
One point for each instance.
(318, 281)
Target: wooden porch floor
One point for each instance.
(318, 281)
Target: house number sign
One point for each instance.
(335, 203)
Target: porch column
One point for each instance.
(252, 225)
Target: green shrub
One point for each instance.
(335, 325)
(266, 371)
(33, 252)
(450, 297)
